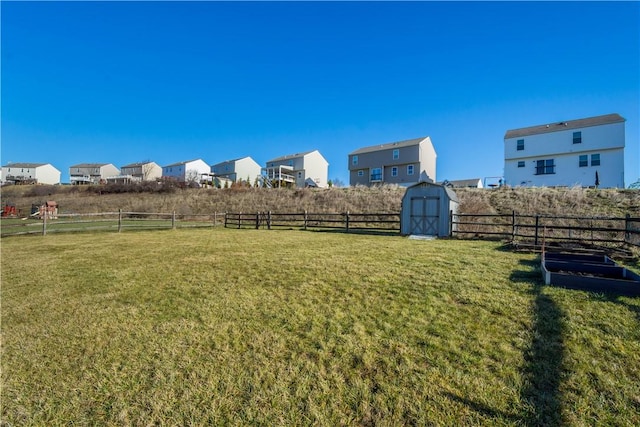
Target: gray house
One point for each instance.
(308, 169)
(138, 172)
(242, 169)
(402, 162)
(92, 173)
(30, 173)
(426, 210)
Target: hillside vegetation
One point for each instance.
(552, 201)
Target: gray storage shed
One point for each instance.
(426, 210)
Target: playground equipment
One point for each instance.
(9, 210)
(48, 209)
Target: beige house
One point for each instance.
(403, 162)
(140, 171)
(309, 169)
(30, 173)
(92, 173)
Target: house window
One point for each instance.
(360, 173)
(521, 164)
(394, 171)
(584, 161)
(545, 167)
(595, 160)
(520, 145)
(396, 154)
(376, 174)
(409, 169)
(354, 160)
(577, 137)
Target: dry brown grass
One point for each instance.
(549, 201)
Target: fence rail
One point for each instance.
(347, 221)
(107, 221)
(533, 229)
(518, 228)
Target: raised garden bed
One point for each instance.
(595, 273)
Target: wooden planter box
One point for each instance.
(595, 273)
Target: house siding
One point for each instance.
(418, 153)
(606, 140)
(41, 173)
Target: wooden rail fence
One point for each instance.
(533, 229)
(347, 221)
(518, 228)
(107, 221)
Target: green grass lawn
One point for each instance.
(237, 327)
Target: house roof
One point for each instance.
(182, 163)
(233, 160)
(89, 165)
(23, 165)
(290, 156)
(135, 165)
(571, 124)
(390, 145)
(462, 183)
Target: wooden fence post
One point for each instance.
(239, 219)
(537, 226)
(258, 220)
(44, 222)
(513, 226)
(627, 228)
(347, 221)
(269, 220)
(306, 219)
(119, 220)
(173, 220)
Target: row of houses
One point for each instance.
(585, 152)
(308, 169)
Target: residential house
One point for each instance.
(308, 169)
(92, 173)
(30, 173)
(403, 162)
(586, 152)
(138, 172)
(190, 171)
(242, 169)
(463, 183)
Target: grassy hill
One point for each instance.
(554, 201)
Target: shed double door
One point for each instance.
(425, 215)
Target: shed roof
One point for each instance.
(450, 193)
(390, 145)
(24, 165)
(571, 124)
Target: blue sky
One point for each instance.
(120, 82)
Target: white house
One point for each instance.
(242, 169)
(92, 173)
(308, 169)
(189, 171)
(403, 162)
(586, 152)
(37, 173)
